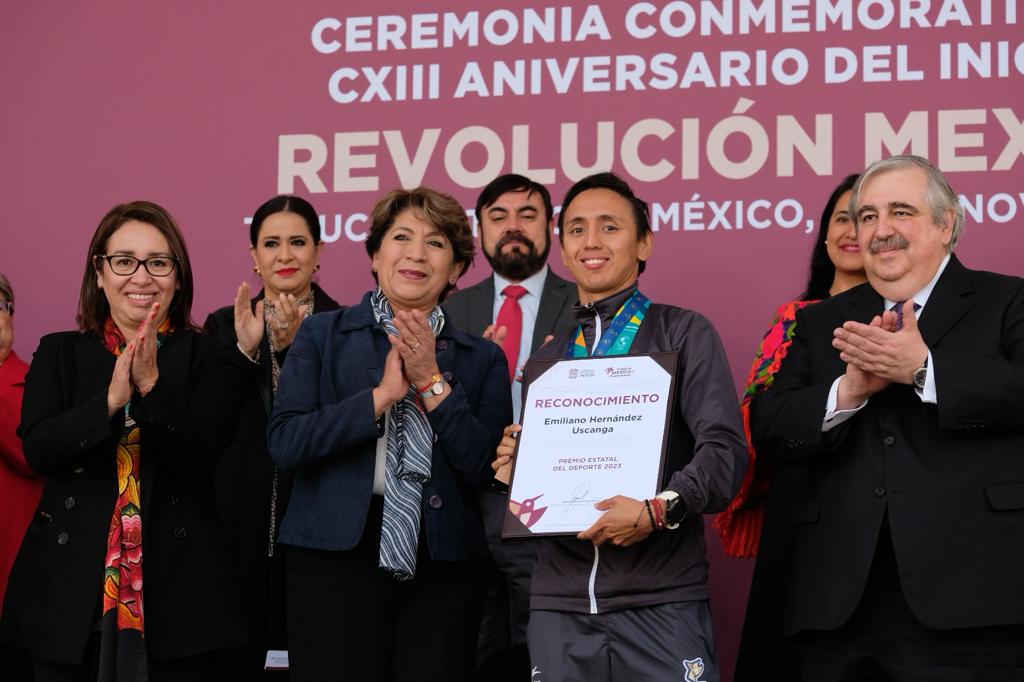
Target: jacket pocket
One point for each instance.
(807, 510)
(1005, 496)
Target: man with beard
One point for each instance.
(903, 398)
(520, 305)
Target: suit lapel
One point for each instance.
(949, 301)
(864, 303)
(553, 299)
(481, 306)
(95, 365)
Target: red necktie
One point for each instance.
(510, 316)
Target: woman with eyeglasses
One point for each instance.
(252, 494)
(122, 574)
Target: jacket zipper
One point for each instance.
(592, 584)
(597, 326)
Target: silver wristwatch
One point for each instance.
(435, 388)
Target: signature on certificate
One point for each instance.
(577, 497)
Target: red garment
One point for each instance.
(739, 526)
(510, 316)
(20, 488)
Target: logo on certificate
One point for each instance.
(527, 511)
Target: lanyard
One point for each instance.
(620, 333)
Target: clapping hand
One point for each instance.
(248, 323)
(287, 316)
(415, 343)
(144, 371)
(877, 354)
(136, 367)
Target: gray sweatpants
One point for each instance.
(665, 642)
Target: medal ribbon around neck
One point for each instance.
(618, 338)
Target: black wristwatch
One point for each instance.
(921, 375)
(675, 509)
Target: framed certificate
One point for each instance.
(592, 428)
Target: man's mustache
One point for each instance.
(896, 241)
(512, 238)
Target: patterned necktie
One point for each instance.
(898, 309)
(510, 316)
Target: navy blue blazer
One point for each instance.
(324, 428)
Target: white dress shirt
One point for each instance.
(530, 305)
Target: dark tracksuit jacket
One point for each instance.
(706, 460)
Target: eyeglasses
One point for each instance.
(6, 307)
(157, 266)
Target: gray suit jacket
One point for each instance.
(472, 309)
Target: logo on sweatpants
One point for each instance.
(694, 669)
(536, 675)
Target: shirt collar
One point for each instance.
(921, 297)
(534, 284)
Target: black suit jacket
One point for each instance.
(246, 493)
(185, 422)
(472, 309)
(949, 476)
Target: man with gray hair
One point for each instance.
(904, 400)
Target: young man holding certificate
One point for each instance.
(627, 598)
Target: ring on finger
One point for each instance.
(282, 325)
(413, 348)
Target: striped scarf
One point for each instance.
(407, 469)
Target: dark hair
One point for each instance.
(610, 181)
(437, 208)
(285, 204)
(6, 290)
(822, 272)
(93, 309)
(510, 182)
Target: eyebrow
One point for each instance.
(277, 236)
(433, 232)
(131, 252)
(518, 209)
(604, 216)
(892, 205)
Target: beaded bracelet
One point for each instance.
(650, 515)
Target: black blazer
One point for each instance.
(185, 423)
(949, 476)
(245, 479)
(472, 309)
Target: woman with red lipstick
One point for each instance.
(251, 492)
(125, 417)
(757, 521)
(389, 416)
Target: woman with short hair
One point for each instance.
(389, 416)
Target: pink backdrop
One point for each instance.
(200, 106)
